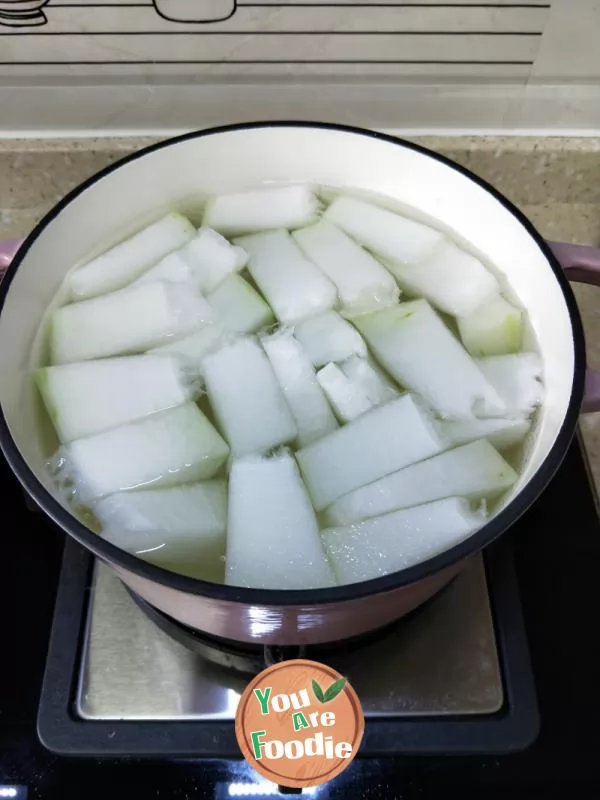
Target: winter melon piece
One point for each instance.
(124, 262)
(240, 307)
(503, 433)
(293, 286)
(262, 209)
(421, 353)
(165, 449)
(377, 443)
(493, 329)
(385, 233)
(328, 337)
(247, 399)
(296, 375)
(93, 396)
(348, 400)
(382, 545)
(363, 284)
(517, 379)
(181, 527)
(128, 321)
(473, 471)
(273, 538)
(450, 278)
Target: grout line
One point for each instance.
(258, 32)
(325, 5)
(552, 134)
(227, 62)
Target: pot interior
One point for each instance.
(180, 174)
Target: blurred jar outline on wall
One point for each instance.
(195, 11)
(29, 13)
(22, 13)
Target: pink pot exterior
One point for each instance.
(288, 624)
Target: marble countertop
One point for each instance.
(555, 181)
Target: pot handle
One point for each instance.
(581, 263)
(8, 249)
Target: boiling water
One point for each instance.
(193, 209)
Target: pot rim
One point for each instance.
(305, 597)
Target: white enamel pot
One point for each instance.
(166, 176)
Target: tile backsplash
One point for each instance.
(225, 37)
(388, 46)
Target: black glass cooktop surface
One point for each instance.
(554, 552)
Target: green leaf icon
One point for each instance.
(331, 693)
(334, 689)
(318, 692)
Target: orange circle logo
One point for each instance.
(299, 723)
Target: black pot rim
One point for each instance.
(305, 597)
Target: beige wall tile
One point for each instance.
(123, 65)
(198, 49)
(570, 47)
(284, 19)
(332, 37)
